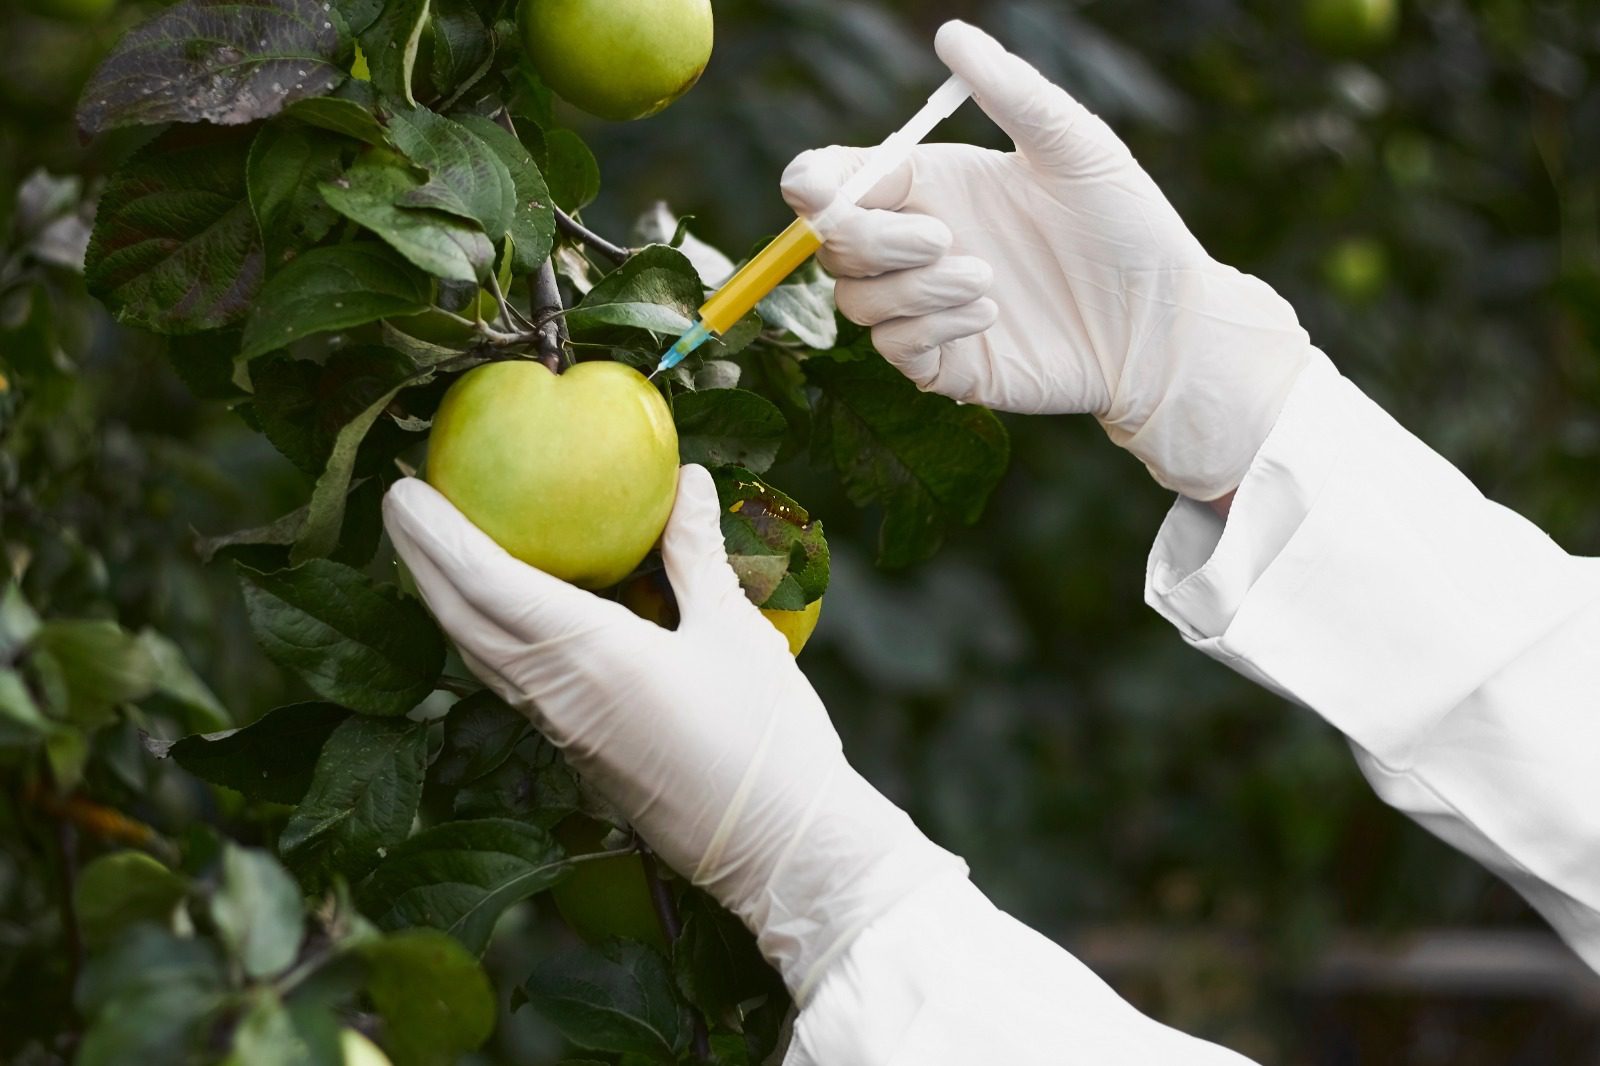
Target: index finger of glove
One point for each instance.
(813, 179)
(465, 573)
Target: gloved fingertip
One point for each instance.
(812, 178)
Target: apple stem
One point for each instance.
(672, 928)
(577, 231)
(550, 333)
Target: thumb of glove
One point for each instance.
(1049, 127)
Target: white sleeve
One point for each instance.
(1454, 644)
(947, 979)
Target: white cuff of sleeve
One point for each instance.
(1359, 573)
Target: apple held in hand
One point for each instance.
(574, 474)
(618, 59)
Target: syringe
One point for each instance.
(795, 245)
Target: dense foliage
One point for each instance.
(301, 260)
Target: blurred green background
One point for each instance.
(1425, 193)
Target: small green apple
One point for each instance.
(1346, 27)
(796, 626)
(1357, 269)
(618, 59)
(574, 474)
(604, 897)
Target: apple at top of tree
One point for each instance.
(574, 474)
(618, 59)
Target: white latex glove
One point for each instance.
(1102, 300)
(708, 737)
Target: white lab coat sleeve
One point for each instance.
(1362, 576)
(948, 979)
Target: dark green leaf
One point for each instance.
(534, 785)
(723, 427)
(570, 169)
(718, 964)
(463, 48)
(618, 997)
(226, 62)
(434, 998)
(257, 911)
(391, 43)
(102, 666)
(778, 551)
(353, 641)
(466, 177)
(147, 998)
(460, 877)
(334, 288)
(480, 733)
(656, 289)
(287, 161)
(205, 363)
(928, 461)
(325, 513)
(803, 305)
(120, 890)
(441, 244)
(303, 407)
(175, 246)
(350, 112)
(271, 759)
(533, 223)
(362, 799)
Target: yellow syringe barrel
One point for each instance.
(740, 293)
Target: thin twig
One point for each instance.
(579, 232)
(666, 909)
(550, 331)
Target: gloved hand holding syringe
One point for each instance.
(766, 271)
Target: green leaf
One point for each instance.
(227, 62)
(433, 996)
(723, 427)
(363, 796)
(656, 289)
(928, 461)
(175, 247)
(533, 223)
(120, 890)
(466, 177)
(271, 1034)
(803, 305)
(463, 48)
(176, 680)
(19, 622)
(778, 551)
(102, 666)
(22, 723)
(303, 406)
(718, 965)
(353, 641)
(286, 162)
(570, 169)
(325, 513)
(391, 44)
(350, 112)
(534, 785)
(257, 911)
(480, 733)
(618, 997)
(370, 193)
(334, 288)
(205, 362)
(148, 999)
(460, 877)
(271, 759)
